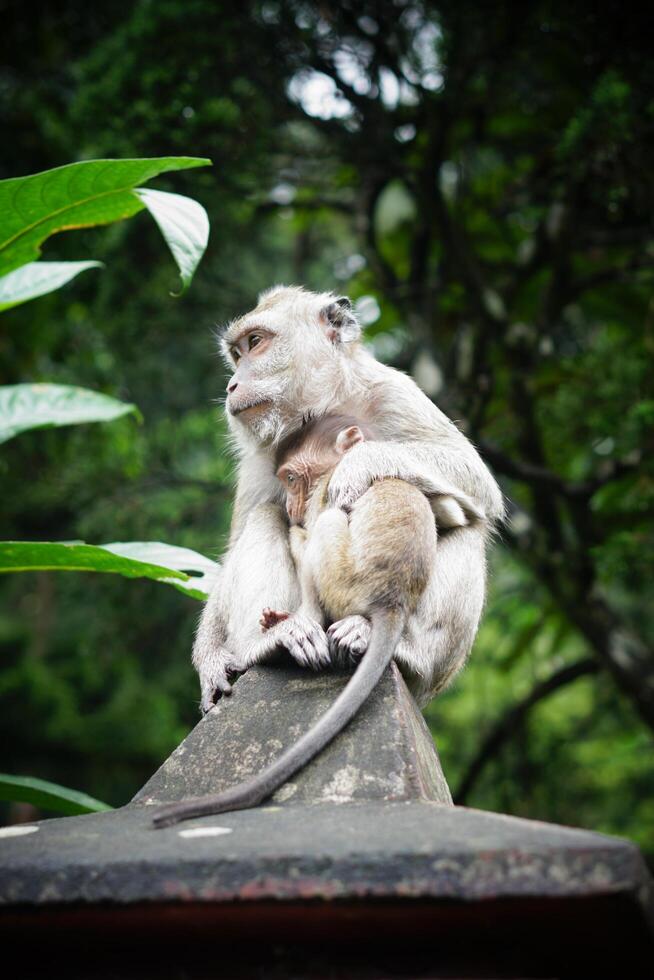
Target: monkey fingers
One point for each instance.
(348, 639)
(217, 681)
(304, 639)
(270, 618)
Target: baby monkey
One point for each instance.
(373, 562)
(347, 564)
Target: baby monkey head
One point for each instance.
(310, 455)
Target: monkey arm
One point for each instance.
(419, 444)
(210, 656)
(256, 485)
(436, 471)
(257, 571)
(299, 631)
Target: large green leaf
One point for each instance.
(93, 192)
(37, 279)
(203, 570)
(39, 406)
(48, 796)
(161, 562)
(183, 223)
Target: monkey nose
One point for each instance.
(231, 387)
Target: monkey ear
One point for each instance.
(340, 321)
(347, 438)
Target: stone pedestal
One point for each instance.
(359, 868)
(385, 753)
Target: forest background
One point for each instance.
(477, 177)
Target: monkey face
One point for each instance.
(297, 492)
(316, 457)
(257, 386)
(286, 357)
(299, 475)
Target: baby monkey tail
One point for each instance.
(387, 625)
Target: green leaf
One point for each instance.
(184, 225)
(157, 561)
(37, 279)
(48, 796)
(40, 406)
(204, 570)
(78, 195)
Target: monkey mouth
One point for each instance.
(239, 409)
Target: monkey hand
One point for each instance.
(351, 478)
(217, 674)
(269, 618)
(348, 639)
(303, 638)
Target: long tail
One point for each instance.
(385, 634)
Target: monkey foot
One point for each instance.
(270, 618)
(304, 639)
(348, 639)
(216, 678)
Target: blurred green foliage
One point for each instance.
(483, 181)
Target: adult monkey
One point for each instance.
(296, 354)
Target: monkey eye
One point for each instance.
(254, 340)
(236, 354)
(290, 479)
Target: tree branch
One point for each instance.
(326, 65)
(315, 204)
(620, 274)
(382, 267)
(507, 726)
(542, 477)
